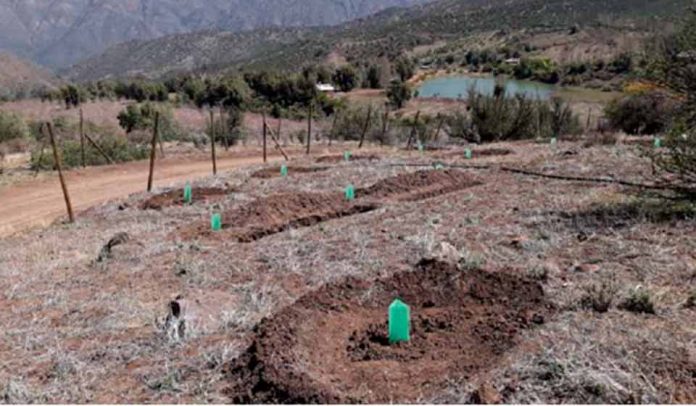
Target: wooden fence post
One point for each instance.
(98, 148)
(265, 130)
(366, 127)
(277, 142)
(153, 152)
(309, 127)
(56, 158)
(385, 125)
(413, 130)
(82, 138)
(212, 141)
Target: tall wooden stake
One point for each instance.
(413, 131)
(365, 127)
(277, 142)
(439, 127)
(333, 128)
(212, 141)
(280, 126)
(153, 152)
(265, 130)
(385, 125)
(309, 127)
(56, 158)
(98, 148)
(82, 138)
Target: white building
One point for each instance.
(325, 87)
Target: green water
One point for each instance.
(457, 87)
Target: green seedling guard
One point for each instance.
(468, 154)
(421, 148)
(658, 142)
(216, 222)
(347, 155)
(399, 322)
(554, 141)
(188, 194)
(439, 166)
(350, 193)
(284, 171)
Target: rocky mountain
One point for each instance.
(389, 33)
(58, 33)
(19, 76)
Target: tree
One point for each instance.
(72, 95)
(405, 68)
(346, 78)
(399, 93)
(374, 77)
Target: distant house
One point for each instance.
(513, 61)
(325, 87)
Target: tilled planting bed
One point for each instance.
(334, 159)
(331, 346)
(278, 213)
(176, 197)
(477, 153)
(274, 172)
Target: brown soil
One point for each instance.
(277, 213)
(478, 153)
(176, 197)
(334, 159)
(281, 212)
(419, 185)
(463, 322)
(274, 172)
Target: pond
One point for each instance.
(457, 87)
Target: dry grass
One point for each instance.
(83, 333)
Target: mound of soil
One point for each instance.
(334, 159)
(277, 213)
(176, 197)
(479, 153)
(269, 173)
(331, 346)
(419, 185)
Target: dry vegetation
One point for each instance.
(167, 316)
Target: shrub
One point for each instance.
(116, 147)
(12, 127)
(638, 301)
(228, 129)
(677, 161)
(647, 112)
(399, 93)
(599, 297)
(346, 78)
(142, 117)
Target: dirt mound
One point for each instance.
(331, 345)
(176, 197)
(478, 153)
(418, 185)
(334, 159)
(269, 173)
(277, 213)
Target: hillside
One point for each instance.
(390, 32)
(18, 75)
(59, 33)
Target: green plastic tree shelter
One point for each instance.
(188, 194)
(347, 155)
(284, 171)
(350, 192)
(399, 322)
(216, 222)
(468, 154)
(658, 142)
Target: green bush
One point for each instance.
(399, 93)
(142, 117)
(116, 147)
(641, 113)
(12, 127)
(638, 301)
(346, 78)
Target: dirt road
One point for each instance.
(38, 203)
